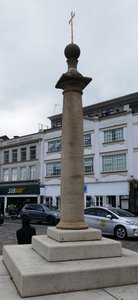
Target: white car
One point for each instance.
(112, 221)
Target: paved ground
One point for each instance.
(9, 292)
(8, 234)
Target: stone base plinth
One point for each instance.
(33, 275)
(56, 251)
(66, 235)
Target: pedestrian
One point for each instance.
(25, 233)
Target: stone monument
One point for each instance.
(72, 157)
(71, 256)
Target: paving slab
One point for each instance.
(129, 292)
(3, 269)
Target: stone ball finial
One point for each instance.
(72, 50)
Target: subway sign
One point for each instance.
(20, 190)
(17, 190)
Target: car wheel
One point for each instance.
(50, 220)
(120, 232)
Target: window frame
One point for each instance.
(113, 135)
(14, 155)
(23, 173)
(5, 175)
(14, 174)
(87, 139)
(53, 169)
(32, 152)
(88, 169)
(55, 145)
(23, 152)
(6, 157)
(32, 172)
(111, 163)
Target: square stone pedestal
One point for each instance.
(49, 266)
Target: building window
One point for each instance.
(113, 163)
(87, 139)
(23, 154)
(54, 146)
(32, 172)
(14, 155)
(113, 135)
(14, 174)
(134, 107)
(33, 152)
(6, 175)
(99, 201)
(53, 169)
(23, 173)
(107, 111)
(88, 165)
(6, 157)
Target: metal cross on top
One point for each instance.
(71, 22)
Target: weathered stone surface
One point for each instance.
(33, 275)
(89, 234)
(55, 251)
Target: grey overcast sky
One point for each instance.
(33, 35)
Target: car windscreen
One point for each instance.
(47, 206)
(122, 213)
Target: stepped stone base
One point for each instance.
(33, 275)
(66, 235)
(55, 251)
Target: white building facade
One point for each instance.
(110, 155)
(30, 166)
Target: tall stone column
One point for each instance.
(72, 157)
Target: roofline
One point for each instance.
(103, 103)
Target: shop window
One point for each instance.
(33, 152)
(49, 200)
(99, 201)
(6, 157)
(58, 200)
(88, 201)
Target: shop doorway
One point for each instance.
(2, 205)
(112, 201)
(14, 204)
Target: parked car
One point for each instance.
(41, 213)
(112, 221)
(1, 218)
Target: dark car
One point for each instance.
(41, 213)
(1, 218)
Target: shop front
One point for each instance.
(13, 197)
